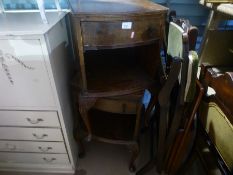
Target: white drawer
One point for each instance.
(34, 158)
(25, 83)
(37, 147)
(38, 134)
(29, 118)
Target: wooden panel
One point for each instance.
(34, 158)
(218, 53)
(35, 134)
(29, 118)
(37, 147)
(23, 75)
(117, 105)
(115, 34)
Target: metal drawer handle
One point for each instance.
(45, 149)
(10, 147)
(38, 120)
(40, 137)
(49, 160)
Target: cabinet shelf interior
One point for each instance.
(121, 69)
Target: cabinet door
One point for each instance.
(24, 80)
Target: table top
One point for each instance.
(116, 7)
(28, 23)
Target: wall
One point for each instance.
(189, 9)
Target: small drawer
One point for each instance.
(36, 147)
(35, 134)
(29, 118)
(117, 105)
(120, 33)
(34, 158)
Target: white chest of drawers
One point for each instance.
(35, 108)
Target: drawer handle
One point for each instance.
(49, 160)
(35, 121)
(45, 149)
(40, 137)
(10, 147)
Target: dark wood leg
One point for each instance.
(134, 148)
(77, 135)
(85, 118)
(151, 163)
(84, 105)
(77, 128)
(81, 150)
(161, 138)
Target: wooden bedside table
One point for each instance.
(118, 49)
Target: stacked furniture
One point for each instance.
(118, 49)
(35, 110)
(178, 100)
(216, 127)
(216, 114)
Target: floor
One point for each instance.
(110, 159)
(106, 159)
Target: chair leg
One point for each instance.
(81, 149)
(78, 138)
(161, 139)
(151, 163)
(77, 128)
(134, 148)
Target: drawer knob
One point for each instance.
(49, 160)
(33, 121)
(44, 149)
(40, 136)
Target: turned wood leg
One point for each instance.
(77, 129)
(134, 148)
(85, 118)
(78, 138)
(81, 150)
(85, 104)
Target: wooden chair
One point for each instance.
(216, 114)
(178, 56)
(177, 48)
(186, 135)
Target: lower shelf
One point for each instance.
(112, 127)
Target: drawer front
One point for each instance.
(37, 134)
(120, 32)
(116, 106)
(34, 158)
(36, 147)
(29, 118)
(24, 77)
